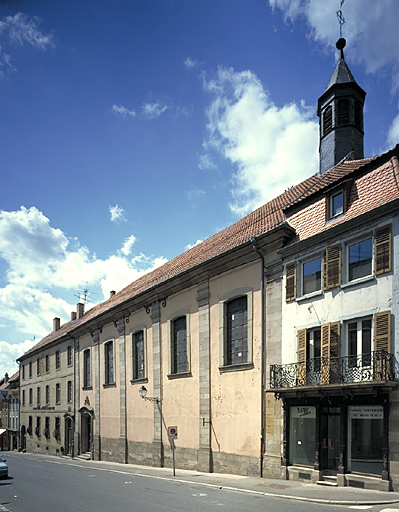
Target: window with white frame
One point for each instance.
(360, 259)
(336, 204)
(87, 368)
(359, 342)
(236, 329)
(311, 275)
(138, 354)
(109, 362)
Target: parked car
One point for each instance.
(3, 468)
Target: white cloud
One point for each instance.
(271, 148)
(153, 110)
(190, 246)
(393, 133)
(10, 353)
(190, 63)
(43, 264)
(123, 111)
(205, 161)
(198, 192)
(20, 29)
(127, 245)
(118, 213)
(372, 33)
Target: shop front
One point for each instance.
(344, 437)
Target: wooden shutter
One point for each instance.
(383, 249)
(382, 331)
(332, 267)
(302, 357)
(290, 284)
(330, 350)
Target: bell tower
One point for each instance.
(340, 110)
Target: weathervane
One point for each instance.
(341, 43)
(341, 19)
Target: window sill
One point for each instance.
(236, 367)
(139, 381)
(109, 385)
(183, 375)
(310, 295)
(87, 388)
(361, 280)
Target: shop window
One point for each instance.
(365, 439)
(138, 354)
(86, 368)
(109, 362)
(311, 276)
(302, 435)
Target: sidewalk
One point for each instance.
(286, 489)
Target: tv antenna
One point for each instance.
(83, 295)
(340, 17)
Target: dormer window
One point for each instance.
(336, 204)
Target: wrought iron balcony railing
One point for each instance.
(374, 366)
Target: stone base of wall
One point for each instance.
(236, 464)
(113, 450)
(38, 446)
(272, 466)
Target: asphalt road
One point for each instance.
(46, 484)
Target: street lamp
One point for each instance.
(143, 394)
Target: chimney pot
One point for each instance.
(80, 310)
(112, 293)
(56, 324)
(73, 315)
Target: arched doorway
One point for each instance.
(86, 430)
(69, 428)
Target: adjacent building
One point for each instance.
(269, 348)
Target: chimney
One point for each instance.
(56, 324)
(80, 310)
(73, 315)
(112, 293)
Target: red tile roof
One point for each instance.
(257, 223)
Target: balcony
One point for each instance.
(373, 367)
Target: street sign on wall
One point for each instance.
(172, 432)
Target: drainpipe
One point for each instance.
(262, 321)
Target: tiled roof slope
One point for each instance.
(257, 223)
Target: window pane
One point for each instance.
(312, 276)
(366, 424)
(337, 204)
(179, 346)
(138, 354)
(236, 336)
(109, 363)
(302, 435)
(360, 259)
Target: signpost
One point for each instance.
(172, 434)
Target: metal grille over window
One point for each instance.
(179, 348)
(237, 331)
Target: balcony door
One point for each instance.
(330, 438)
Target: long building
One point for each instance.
(268, 349)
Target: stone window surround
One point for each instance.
(170, 318)
(136, 329)
(233, 294)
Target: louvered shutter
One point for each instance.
(332, 267)
(382, 331)
(302, 357)
(325, 353)
(382, 343)
(290, 284)
(335, 349)
(383, 249)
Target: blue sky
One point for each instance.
(132, 129)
